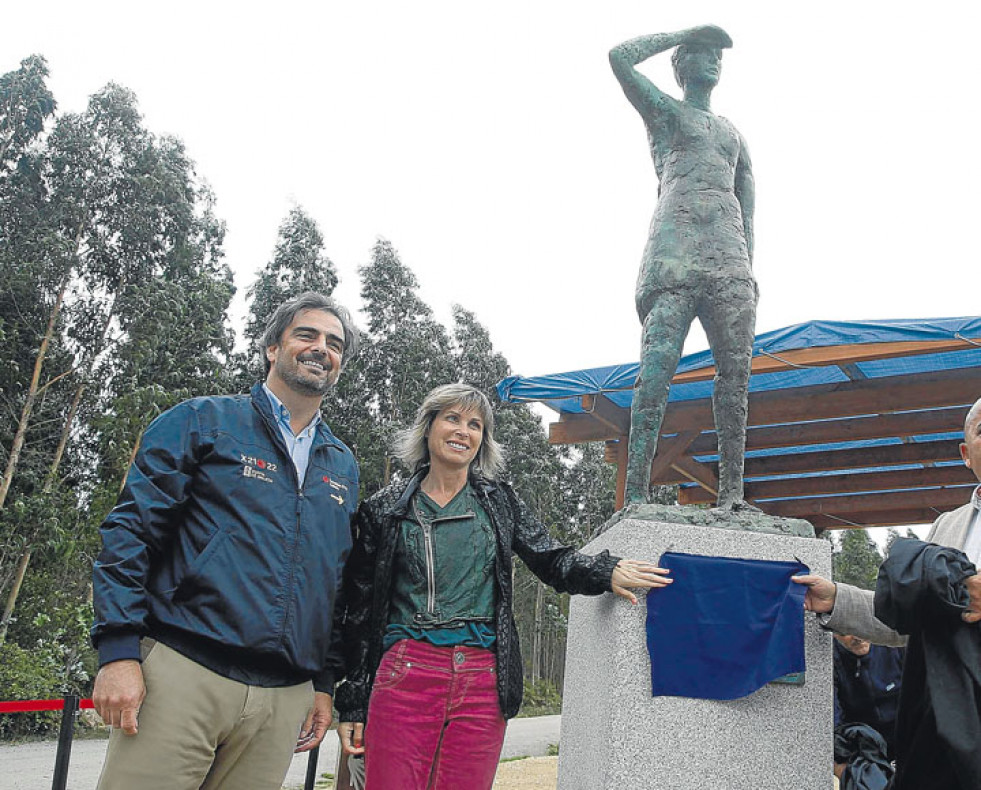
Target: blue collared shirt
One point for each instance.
(298, 444)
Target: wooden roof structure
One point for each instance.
(860, 432)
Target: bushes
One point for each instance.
(541, 699)
(25, 675)
(58, 662)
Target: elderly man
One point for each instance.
(921, 586)
(218, 577)
(868, 679)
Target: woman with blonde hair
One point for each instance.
(433, 664)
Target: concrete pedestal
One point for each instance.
(616, 735)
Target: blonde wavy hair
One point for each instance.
(412, 447)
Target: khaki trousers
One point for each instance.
(199, 730)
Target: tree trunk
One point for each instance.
(25, 558)
(25, 417)
(8, 610)
(129, 463)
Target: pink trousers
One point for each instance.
(434, 721)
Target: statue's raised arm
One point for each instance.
(643, 94)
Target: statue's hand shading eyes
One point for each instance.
(709, 35)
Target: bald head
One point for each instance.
(971, 446)
(973, 414)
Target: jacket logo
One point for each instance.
(340, 499)
(256, 468)
(256, 474)
(258, 463)
(336, 486)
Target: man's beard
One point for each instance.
(304, 385)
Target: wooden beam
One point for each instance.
(857, 482)
(578, 428)
(879, 426)
(853, 458)
(668, 450)
(607, 412)
(834, 460)
(834, 401)
(847, 507)
(834, 355)
(878, 518)
(957, 388)
(702, 474)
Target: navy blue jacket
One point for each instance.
(867, 688)
(214, 550)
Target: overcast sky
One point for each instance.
(492, 145)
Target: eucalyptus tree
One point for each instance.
(134, 288)
(478, 364)
(858, 559)
(26, 104)
(298, 264)
(408, 353)
(31, 406)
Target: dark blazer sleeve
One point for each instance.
(357, 596)
(559, 566)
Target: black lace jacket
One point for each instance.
(368, 582)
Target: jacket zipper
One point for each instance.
(427, 535)
(277, 439)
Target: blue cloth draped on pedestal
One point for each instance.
(725, 627)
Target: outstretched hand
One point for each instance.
(635, 574)
(821, 593)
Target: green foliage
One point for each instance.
(541, 698)
(27, 675)
(552, 750)
(408, 354)
(858, 559)
(25, 105)
(477, 362)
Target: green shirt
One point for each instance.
(443, 586)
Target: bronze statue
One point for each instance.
(698, 258)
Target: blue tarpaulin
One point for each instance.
(561, 391)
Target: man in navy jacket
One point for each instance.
(867, 682)
(221, 562)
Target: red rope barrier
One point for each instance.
(29, 706)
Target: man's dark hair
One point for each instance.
(310, 300)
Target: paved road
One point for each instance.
(29, 766)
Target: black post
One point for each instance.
(60, 780)
(311, 779)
